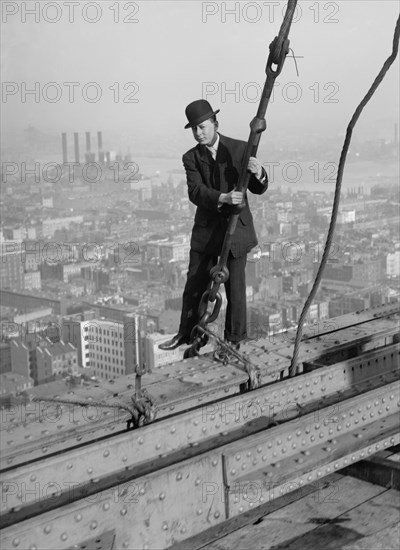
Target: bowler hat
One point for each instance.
(198, 111)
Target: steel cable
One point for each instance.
(339, 177)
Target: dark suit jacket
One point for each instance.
(206, 180)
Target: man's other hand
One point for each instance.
(255, 167)
(234, 197)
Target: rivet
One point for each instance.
(264, 458)
(233, 471)
(294, 446)
(197, 481)
(106, 506)
(204, 429)
(165, 526)
(178, 476)
(183, 530)
(123, 511)
(106, 453)
(336, 465)
(125, 544)
(140, 440)
(69, 466)
(214, 462)
(33, 477)
(90, 470)
(237, 457)
(47, 529)
(172, 430)
(162, 496)
(217, 514)
(259, 449)
(15, 542)
(78, 517)
(93, 525)
(248, 454)
(244, 466)
(199, 512)
(33, 547)
(124, 458)
(64, 536)
(158, 446)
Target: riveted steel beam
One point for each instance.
(179, 501)
(151, 512)
(37, 430)
(46, 484)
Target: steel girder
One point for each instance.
(220, 460)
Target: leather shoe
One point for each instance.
(175, 342)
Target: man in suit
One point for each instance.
(212, 172)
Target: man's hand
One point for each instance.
(234, 197)
(255, 167)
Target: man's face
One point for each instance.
(204, 133)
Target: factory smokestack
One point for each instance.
(64, 148)
(76, 147)
(87, 142)
(100, 147)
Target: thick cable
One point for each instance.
(336, 201)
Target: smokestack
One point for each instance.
(76, 147)
(100, 146)
(64, 148)
(87, 142)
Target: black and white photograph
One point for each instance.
(200, 275)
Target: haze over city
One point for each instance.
(170, 53)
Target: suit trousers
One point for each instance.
(198, 279)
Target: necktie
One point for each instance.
(213, 152)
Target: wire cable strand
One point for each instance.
(339, 177)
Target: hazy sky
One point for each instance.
(178, 51)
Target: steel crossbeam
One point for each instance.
(47, 483)
(183, 499)
(40, 429)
